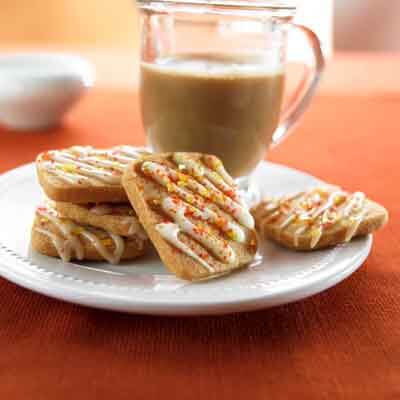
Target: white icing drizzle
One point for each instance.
(68, 244)
(169, 231)
(85, 168)
(312, 214)
(176, 210)
(166, 176)
(310, 211)
(122, 211)
(135, 228)
(355, 203)
(64, 247)
(112, 258)
(87, 165)
(297, 234)
(101, 209)
(193, 194)
(216, 165)
(355, 206)
(72, 243)
(65, 176)
(231, 229)
(213, 181)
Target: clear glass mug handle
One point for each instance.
(302, 96)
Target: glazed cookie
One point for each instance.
(190, 208)
(318, 218)
(117, 218)
(85, 174)
(60, 237)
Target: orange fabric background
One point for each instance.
(341, 344)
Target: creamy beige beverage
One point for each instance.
(228, 106)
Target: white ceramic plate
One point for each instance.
(278, 276)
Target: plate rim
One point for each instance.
(61, 290)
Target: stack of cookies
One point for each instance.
(87, 215)
(106, 204)
(109, 204)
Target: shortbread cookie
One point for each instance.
(319, 218)
(85, 174)
(190, 208)
(118, 218)
(61, 237)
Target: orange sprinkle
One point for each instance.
(46, 156)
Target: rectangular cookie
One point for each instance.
(118, 218)
(321, 217)
(191, 210)
(84, 174)
(60, 237)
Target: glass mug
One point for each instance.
(212, 77)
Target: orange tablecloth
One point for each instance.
(344, 343)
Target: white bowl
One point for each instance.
(36, 89)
